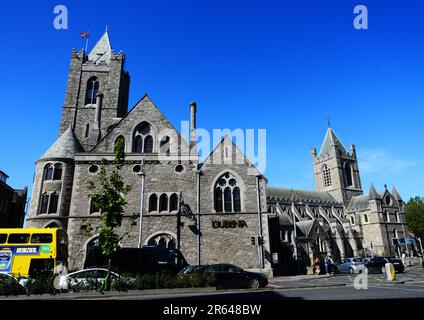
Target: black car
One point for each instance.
(377, 264)
(230, 276)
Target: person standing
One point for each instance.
(326, 262)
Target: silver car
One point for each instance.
(86, 279)
(352, 265)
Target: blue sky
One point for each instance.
(284, 66)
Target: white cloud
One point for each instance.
(379, 160)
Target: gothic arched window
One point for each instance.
(236, 199)
(54, 199)
(44, 203)
(348, 174)
(326, 175)
(218, 199)
(171, 244)
(153, 203)
(48, 172)
(227, 196)
(148, 144)
(138, 144)
(118, 141)
(163, 240)
(142, 139)
(57, 171)
(165, 145)
(173, 202)
(163, 203)
(92, 90)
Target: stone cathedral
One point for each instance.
(210, 210)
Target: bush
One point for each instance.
(11, 288)
(123, 283)
(163, 280)
(41, 285)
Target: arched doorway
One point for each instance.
(163, 240)
(93, 254)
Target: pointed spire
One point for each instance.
(101, 52)
(373, 194)
(396, 194)
(331, 140)
(66, 146)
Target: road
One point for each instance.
(408, 285)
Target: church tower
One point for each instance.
(97, 93)
(335, 169)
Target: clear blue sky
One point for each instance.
(284, 66)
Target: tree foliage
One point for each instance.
(414, 210)
(110, 197)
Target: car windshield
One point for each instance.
(358, 260)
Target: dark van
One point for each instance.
(133, 261)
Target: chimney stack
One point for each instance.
(193, 110)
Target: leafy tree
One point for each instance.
(110, 197)
(414, 210)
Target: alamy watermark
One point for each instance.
(222, 146)
(361, 19)
(60, 21)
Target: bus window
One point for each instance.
(42, 238)
(3, 237)
(18, 238)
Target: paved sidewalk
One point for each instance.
(299, 277)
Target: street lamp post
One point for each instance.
(142, 174)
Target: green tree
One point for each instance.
(414, 210)
(110, 198)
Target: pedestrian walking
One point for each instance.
(331, 266)
(404, 258)
(316, 267)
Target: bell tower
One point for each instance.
(336, 170)
(97, 92)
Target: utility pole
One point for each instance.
(260, 235)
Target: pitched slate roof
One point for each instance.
(101, 51)
(305, 226)
(330, 140)
(303, 195)
(373, 194)
(358, 203)
(66, 146)
(396, 194)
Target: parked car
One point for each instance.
(188, 270)
(8, 279)
(230, 276)
(133, 261)
(86, 279)
(377, 264)
(351, 265)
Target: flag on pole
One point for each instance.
(84, 34)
